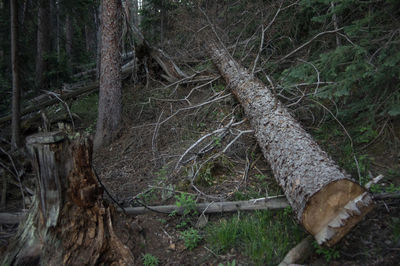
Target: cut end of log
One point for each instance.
(335, 209)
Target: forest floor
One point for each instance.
(141, 164)
(145, 166)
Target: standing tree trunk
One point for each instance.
(43, 43)
(68, 223)
(335, 24)
(326, 201)
(68, 40)
(15, 123)
(135, 13)
(98, 35)
(110, 97)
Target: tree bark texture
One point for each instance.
(110, 96)
(69, 224)
(43, 42)
(327, 202)
(98, 38)
(69, 34)
(16, 113)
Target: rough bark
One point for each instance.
(98, 38)
(43, 42)
(68, 39)
(327, 202)
(110, 97)
(15, 124)
(69, 224)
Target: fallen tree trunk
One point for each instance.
(73, 93)
(11, 218)
(126, 58)
(217, 207)
(327, 202)
(68, 223)
(172, 71)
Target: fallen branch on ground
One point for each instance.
(11, 218)
(299, 253)
(270, 203)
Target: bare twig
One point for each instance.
(154, 139)
(308, 42)
(217, 207)
(17, 175)
(263, 30)
(65, 104)
(348, 135)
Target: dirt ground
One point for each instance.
(141, 165)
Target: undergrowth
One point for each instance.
(265, 236)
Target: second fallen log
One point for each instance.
(327, 202)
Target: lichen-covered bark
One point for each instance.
(299, 165)
(110, 97)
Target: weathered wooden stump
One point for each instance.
(69, 223)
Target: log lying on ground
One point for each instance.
(217, 207)
(48, 101)
(11, 218)
(327, 202)
(172, 71)
(68, 223)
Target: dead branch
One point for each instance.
(299, 253)
(11, 218)
(271, 203)
(308, 42)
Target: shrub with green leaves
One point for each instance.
(150, 260)
(191, 237)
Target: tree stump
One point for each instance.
(68, 223)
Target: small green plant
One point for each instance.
(188, 204)
(261, 177)
(150, 260)
(328, 253)
(191, 237)
(219, 87)
(287, 211)
(217, 141)
(233, 263)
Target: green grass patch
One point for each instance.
(265, 236)
(86, 109)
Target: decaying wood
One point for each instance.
(11, 218)
(68, 223)
(327, 202)
(72, 93)
(271, 203)
(299, 253)
(172, 71)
